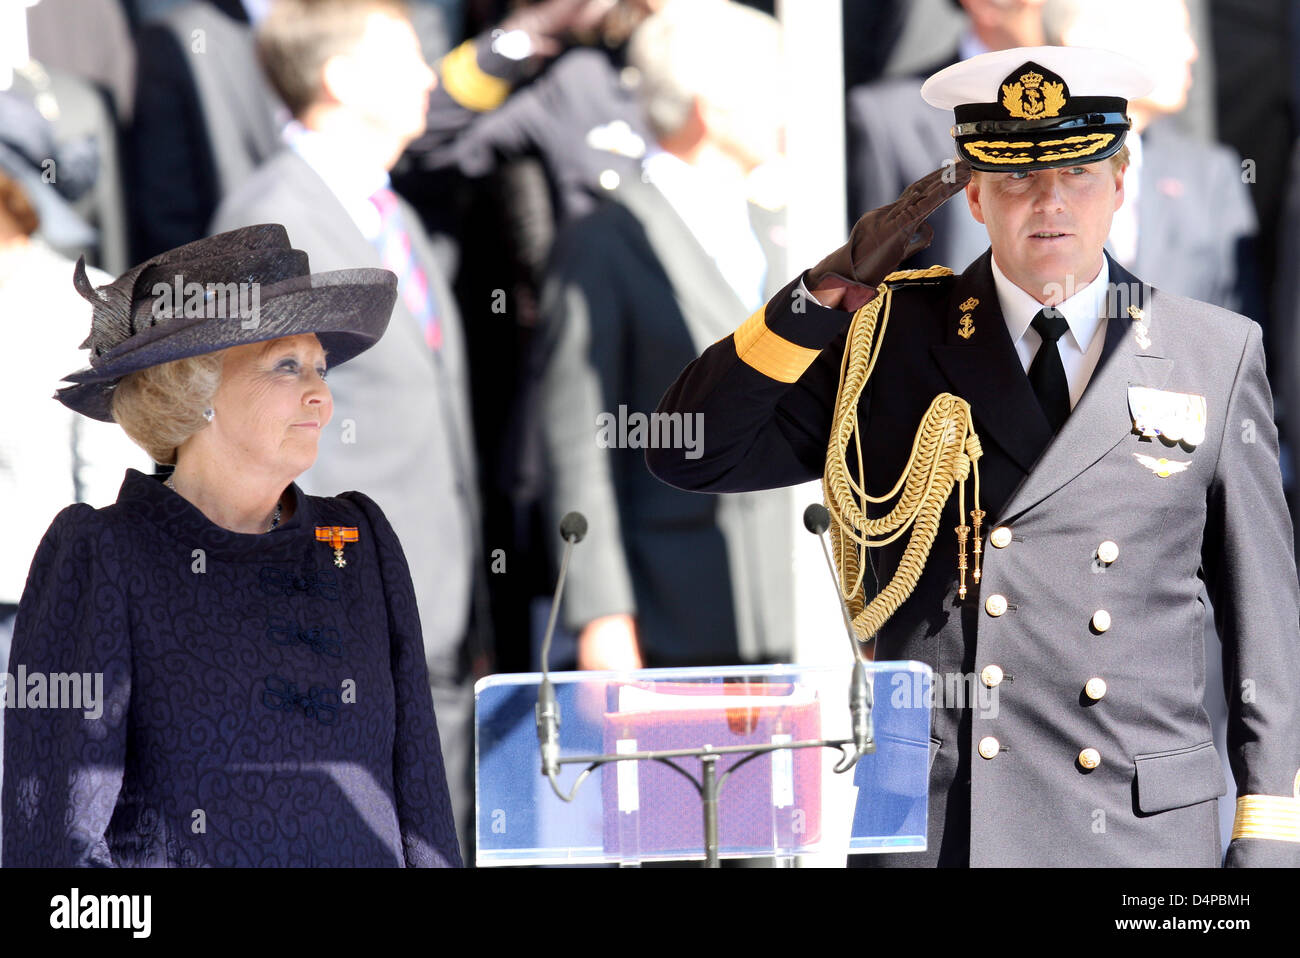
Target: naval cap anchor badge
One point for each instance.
(966, 328)
(1030, 98)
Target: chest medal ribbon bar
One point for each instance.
(337, 536)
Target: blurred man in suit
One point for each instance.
(354, 77)
(204, 119)
(635, 291)
(504, 185)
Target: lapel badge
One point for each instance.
(1175, 417)
(1164, 468)
(1140, 328)
(337, 536)
(966, 328)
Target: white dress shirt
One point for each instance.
(718, 218)
(1080, 346)
(353, 183)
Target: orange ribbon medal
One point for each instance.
(336, 536)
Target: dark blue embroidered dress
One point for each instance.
(262, 706)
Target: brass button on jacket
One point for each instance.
(989, 746)
(995, 604)
(1090, 758)
(1000, 537)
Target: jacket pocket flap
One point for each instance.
(1184, 776)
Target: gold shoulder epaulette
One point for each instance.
(929, 276)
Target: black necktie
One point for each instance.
(1046, 373)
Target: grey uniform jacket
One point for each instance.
(205, 119)
(1212, 513)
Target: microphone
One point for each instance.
(817, 519)
(573, 527)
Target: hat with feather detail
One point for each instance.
(244, 286)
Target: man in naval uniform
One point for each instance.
(1126, 452)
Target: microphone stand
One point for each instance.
(709, 785)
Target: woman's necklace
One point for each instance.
(275, 517)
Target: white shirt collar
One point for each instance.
(686, 188)
(1083, 310)
(257, 10)
(352, 182)
(717, 215)
(970, 45)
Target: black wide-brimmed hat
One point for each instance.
(1036, 108)
(245, 286)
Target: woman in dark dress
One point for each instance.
(250, 682)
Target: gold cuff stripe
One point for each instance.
(1276, 817)
(466, 82)
(1096, 141)
(772, 355)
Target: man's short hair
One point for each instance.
(708, 49)
(298, 37)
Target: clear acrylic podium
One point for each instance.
(781, 802)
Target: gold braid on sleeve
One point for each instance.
(944, 452)
(1275, 817)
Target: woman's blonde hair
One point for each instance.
(162, 406)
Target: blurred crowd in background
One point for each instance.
(577, 196)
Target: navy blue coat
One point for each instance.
(261, 705)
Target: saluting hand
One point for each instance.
(883, 238)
